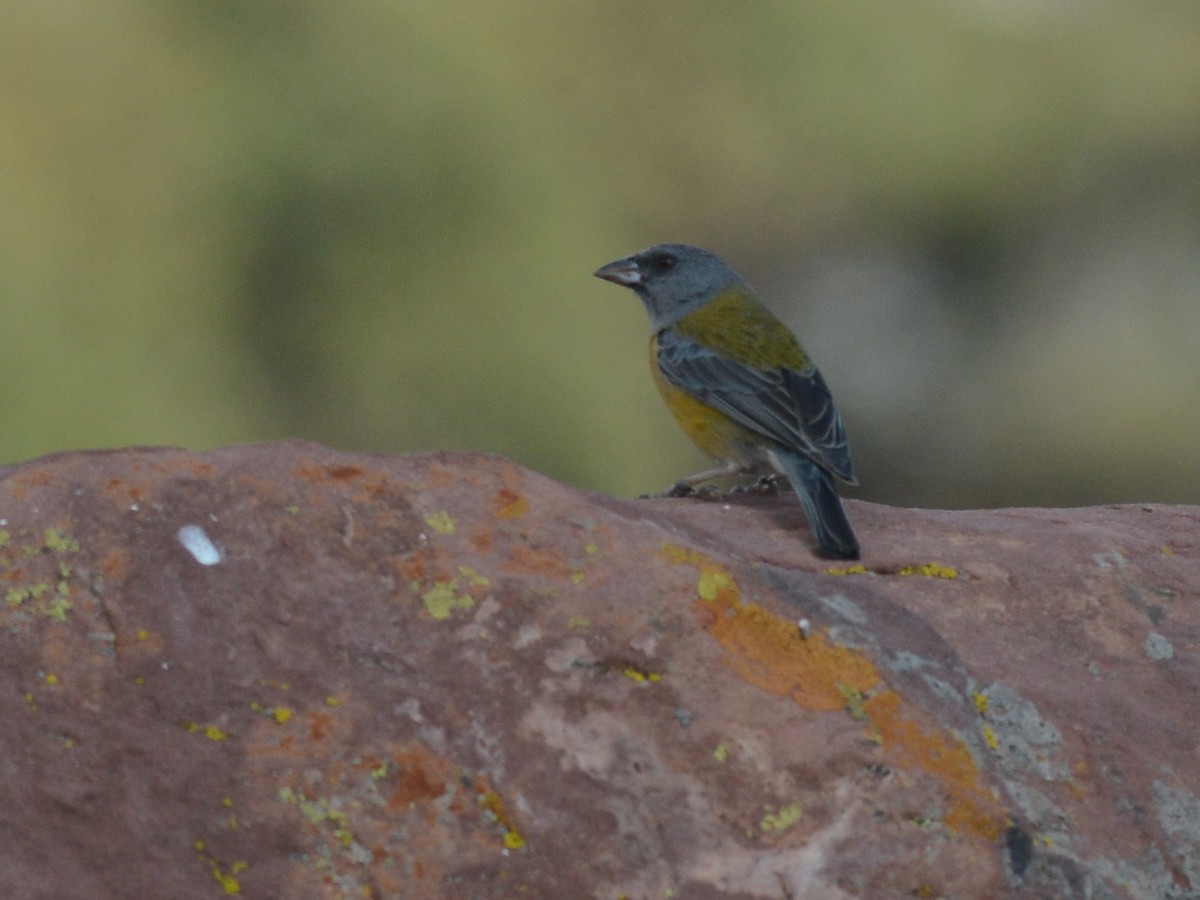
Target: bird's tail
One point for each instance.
(822, 505)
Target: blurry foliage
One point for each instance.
(373, 225)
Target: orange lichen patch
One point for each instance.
(414, 567)
(38, 478)
(320, 722)
(528, 561)
(201, 470)
(132, 493)
(481, 540)
(329, 473)
(421, 776)
(508, 504)
(771, 653)
(973, 808)
(440, 476)
(115, 564)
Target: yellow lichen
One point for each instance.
(282, 714)
(782, 820)
(227, 880)
(856, 569)
(494, 808)
(142, 634)
(58, 607)
(715, 583)
(721, 753)
(635, 674)
(712, 582)
(50, 678)
(981, 701)
(210, 731)
(443, 599)
(474, 579)
(59, 542)
(989, 737)
(333, 700)
(931, 570)
(17, 596)
(854, 701)
(441, 522)
(513, 840)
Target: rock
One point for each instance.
(284, 671)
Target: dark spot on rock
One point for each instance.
(1020, 849)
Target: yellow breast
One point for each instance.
(713, 432)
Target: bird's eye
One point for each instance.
(665, 263)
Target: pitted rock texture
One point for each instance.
(446, 676)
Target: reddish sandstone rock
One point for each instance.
(445, 676)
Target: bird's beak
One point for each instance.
(623, 271)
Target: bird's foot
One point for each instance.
(766, 486)
(683, 489)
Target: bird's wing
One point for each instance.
(793, 407)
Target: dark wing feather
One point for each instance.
(793, 407)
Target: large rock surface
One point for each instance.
(446, 676)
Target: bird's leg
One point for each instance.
(687, 487)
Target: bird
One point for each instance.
(740, 385)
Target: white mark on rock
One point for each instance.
(1157, 647)
(527, 635)
(845, 608)
(1110, 559)
(805, 628)
(197, 543)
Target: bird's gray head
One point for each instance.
(671, 279)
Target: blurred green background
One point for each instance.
(374, 225)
